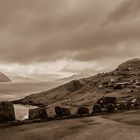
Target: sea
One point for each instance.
(17, 90)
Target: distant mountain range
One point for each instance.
(22, 79)
(41, 78)
(4, 78)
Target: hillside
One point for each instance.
(4, 78)
(123, 83)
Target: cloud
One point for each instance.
(37, 31)
(41, 31)
(57, 69)
(127, 9)
(54, 70)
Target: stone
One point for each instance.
(61, 111)
(83, 111)
(110, 108)
(97, 109)
(38, 113)
(7, 112)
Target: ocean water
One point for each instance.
(13, 91)
(21, 111)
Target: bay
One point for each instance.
(13, 91)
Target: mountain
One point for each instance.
(22, 79)
(4, 78)
(123, 83)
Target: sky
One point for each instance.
(61, 38)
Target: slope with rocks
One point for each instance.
(4, 78)
(123, 83)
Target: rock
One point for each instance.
(136, 103)
(74, 85)
(118, 87)
(38, 113)
(97, 109)
(83, 111)
(60, 112)
(6, 112)
(123, 106)
(110, 108)
(107, 100)
(130, 105)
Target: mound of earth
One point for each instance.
(4, 78)
(123, 83)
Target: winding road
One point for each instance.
(118, 126)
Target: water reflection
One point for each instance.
(22, 111)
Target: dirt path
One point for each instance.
(109, 127)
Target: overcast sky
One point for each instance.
(66, 37)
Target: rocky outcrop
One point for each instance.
(74, 85)
(6, 112)
(38, 113)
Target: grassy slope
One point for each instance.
(88, 92)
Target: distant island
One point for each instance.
(4, 78)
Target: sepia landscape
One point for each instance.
(69, 70)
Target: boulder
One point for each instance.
(136, 102)
(83, 111)
(61, 111)
(97, 109)
(123, 106)
(38, 113)
(6, 112)
(75, 85)
(130, 105)
(110, 108)
(107, 100)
